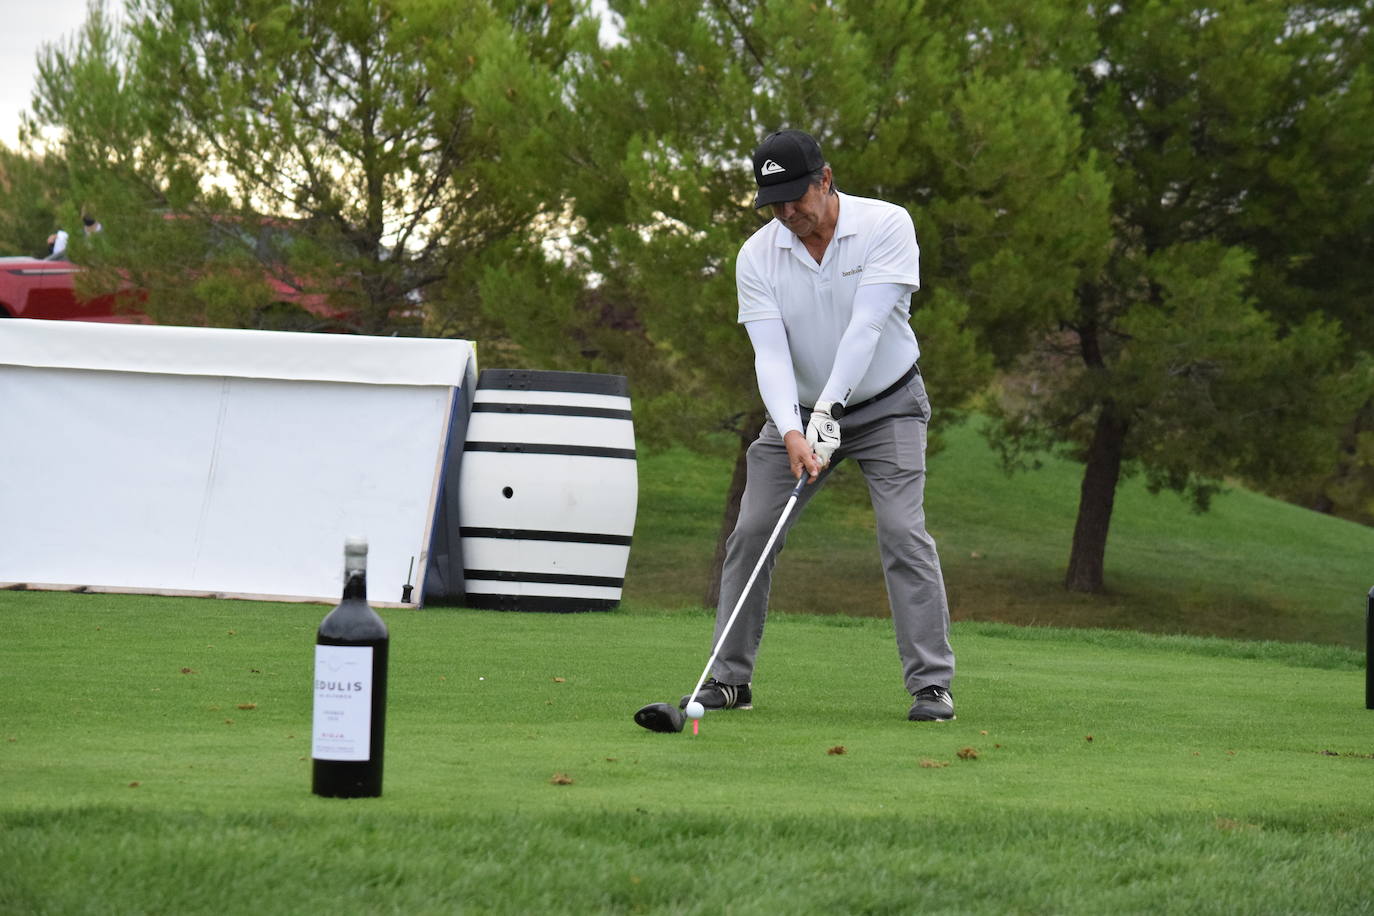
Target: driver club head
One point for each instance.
(660, 717)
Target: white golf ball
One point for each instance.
(695, 710)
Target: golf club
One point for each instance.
(664, 717)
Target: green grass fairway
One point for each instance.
(1252, 568)
(154, 758)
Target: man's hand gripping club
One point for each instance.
(810, 454)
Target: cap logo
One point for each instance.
(771, 168)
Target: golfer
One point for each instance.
(825, 296)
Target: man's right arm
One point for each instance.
(778, 388)
(773, 368)
(777, 380)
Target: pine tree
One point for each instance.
(1195, 351)
(365, 155)
(904, 108)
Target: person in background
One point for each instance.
(57, 246)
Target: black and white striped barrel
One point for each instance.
(547, 491)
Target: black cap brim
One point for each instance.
(783, 192)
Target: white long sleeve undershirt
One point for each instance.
(773, 367)
(872, 306)
(853, 355)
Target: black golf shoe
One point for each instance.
(933, 704)
(715, 695)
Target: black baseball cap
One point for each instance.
(783, 165)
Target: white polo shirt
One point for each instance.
(874, 242)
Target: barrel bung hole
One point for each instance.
(507, 492)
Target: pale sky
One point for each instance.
(26, 25)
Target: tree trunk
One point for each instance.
(1087, 558)
(748, 433)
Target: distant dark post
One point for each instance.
(1369, 652)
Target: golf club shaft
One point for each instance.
(777, 529)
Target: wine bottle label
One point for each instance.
(343, 703)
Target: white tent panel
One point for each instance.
(235, 352)
(166, 482)
(84, 500)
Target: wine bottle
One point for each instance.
(350, 689)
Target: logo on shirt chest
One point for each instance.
(852, 271)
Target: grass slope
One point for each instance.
(154, 757)
(1252, 568)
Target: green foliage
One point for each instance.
(398, 144)
(1347, 490)
(1088, 190)
(1157, 214)
(1184, 352)
(30, 200)
(663, 191)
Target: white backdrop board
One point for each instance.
(224, 462)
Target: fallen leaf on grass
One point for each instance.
(561, 779)
(187, 671)
(1088, 738)
(837, 750)
(933, 764)
(135, 784)
(968, 753)
(248, 706)
(560, 680)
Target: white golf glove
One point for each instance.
(823, 433)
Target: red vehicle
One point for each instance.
(34, 288)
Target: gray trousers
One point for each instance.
(888, 440)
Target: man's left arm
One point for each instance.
(873, 305)
(892, 271)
